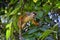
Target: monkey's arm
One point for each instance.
(35, 22)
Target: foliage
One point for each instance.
(11, 9)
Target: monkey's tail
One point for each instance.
(20, 30)
(20, 34)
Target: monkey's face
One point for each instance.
(33, 14)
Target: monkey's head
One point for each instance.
(33, 14)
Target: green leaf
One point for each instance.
(45, 34)
(46, 8)
(17, 8)
(8, 31)
(15, 23)
(58, 4)
(32, 38)
(37, 34)
(12, 1)
(32, 30)
(39, 14)
(35, 1)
